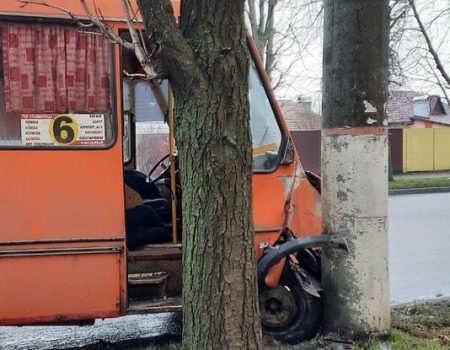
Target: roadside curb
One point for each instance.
(416, 302)
(400, 191)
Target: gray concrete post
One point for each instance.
(355, 166)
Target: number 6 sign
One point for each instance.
(64, 129)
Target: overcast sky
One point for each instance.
(306, 74)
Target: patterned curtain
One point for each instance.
(55, 69)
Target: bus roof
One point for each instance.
(110, 9)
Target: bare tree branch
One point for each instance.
(438, 80)
(433, 52)
(75, 18)
(62, 9)
(262, 17)
(143, 59)
(252, 15)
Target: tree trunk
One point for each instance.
(390, 162)
(354, 166)
(220, 294)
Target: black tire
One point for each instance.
(288, 313)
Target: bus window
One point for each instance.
(151, 131)
(55, 87)
(266, 133)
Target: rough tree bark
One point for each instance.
(205, 59)
(354, 166)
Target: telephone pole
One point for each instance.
(355, 166)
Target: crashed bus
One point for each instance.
(75, 130)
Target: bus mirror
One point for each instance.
(289, 154)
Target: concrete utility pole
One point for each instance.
(355, 166)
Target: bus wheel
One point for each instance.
(288, 313)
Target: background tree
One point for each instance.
(285, 31)
(288, 34)
(442, 78)
(420, 46)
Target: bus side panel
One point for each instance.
(60, 195)
(268, 201)
(62, 235)
(55, 288)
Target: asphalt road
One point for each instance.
(419, 238)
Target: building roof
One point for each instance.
(432, 109)
(299, 116)
(399, 109)
(400, 106)
(436, 106)
(441, 120)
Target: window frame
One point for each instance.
(114, 116)
(260, 70)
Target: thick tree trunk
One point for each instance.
(354, 166)
(220, 294)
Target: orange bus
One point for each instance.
(73, 129)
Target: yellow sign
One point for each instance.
(64, 129)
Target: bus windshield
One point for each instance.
(266, 133)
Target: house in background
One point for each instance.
(400, 108)
(430, 112)
(419, 131)
(304, 125)
(410, 109)
(299, 114)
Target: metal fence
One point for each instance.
(426, 149)
(411, 149)
(308, 145)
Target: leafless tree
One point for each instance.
(284, 31)
(420, 44)
(288, 32)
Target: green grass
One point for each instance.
(399, 340)
(400, 183)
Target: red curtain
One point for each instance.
(55, 69)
